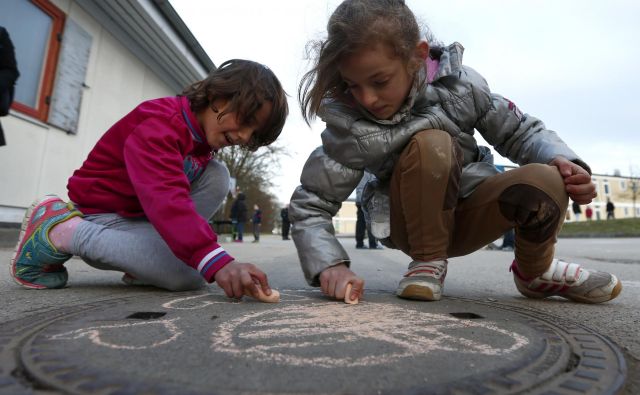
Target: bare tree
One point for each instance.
(254, 173)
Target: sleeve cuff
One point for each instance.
(212, 262)
(582, 164)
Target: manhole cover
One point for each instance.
(203, 343)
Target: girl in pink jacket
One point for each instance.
(140, 201)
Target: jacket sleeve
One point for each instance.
(325, 184)
(155, 165)
(520, 137)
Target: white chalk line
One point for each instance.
(278, 335)
(95, 334)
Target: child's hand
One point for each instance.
(238, 279)
(576, 179)
(334, 280)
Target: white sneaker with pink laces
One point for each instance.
(570, 281)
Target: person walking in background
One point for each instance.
(239, 216)
(8, 76)
(610, 209)
(576, 210)
(588, 212)
(256, 221)
(361, 224)
(286, 224)
(140, 200)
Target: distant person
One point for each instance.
(256, 221)
(508, 242)
(406, 110)
(286, 224)
(141, 198)
(361, 225)
(8, 76)
(610, 209)
(576, 210)
(239, 216)
(588, 212)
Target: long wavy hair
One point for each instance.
(246, 85)
(354, 25)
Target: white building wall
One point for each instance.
(39, 158)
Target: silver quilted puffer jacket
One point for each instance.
(457, 101)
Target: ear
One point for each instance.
(421, 53)
(422, 49)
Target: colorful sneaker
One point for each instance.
(570, 281)
(423, 281)
(37, 263)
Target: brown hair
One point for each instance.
(355, 24)
(246, 85)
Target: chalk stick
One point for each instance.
(273, 298)
(347, 296)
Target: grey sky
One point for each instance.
(574, 64)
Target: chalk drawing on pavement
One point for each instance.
(203, 301)
(320, 334)
(154, 332)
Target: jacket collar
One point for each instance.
(192, 122)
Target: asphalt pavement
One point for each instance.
(99, 335)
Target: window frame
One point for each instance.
(48, 75)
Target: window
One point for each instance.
(37, 44)
(623, 185)
(52, 55)
(606, 188)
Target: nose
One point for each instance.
(367, 97)
(244, 134)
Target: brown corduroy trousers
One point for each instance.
(429, 221)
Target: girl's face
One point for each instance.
(379, 81)
(227, 130)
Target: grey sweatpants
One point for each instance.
(132, 245)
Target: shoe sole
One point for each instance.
(417, 292)
(539, 295)
(23, 231)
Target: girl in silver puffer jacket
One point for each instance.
(406, 112)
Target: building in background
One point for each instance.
(618, 188)
(344, 222)
(83, 65)
(621, 190)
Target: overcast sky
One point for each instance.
(574, 64)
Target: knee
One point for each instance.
(434, 146)
(218, 172)
(535, 201)
(215, 175)
(548, 179)
(432, 141)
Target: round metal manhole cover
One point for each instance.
(205, 343)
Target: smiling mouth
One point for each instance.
(226, 136)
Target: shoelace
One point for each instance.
(432, 269)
